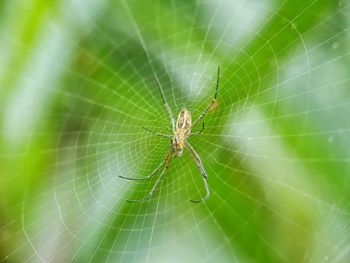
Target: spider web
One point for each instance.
(78, 92)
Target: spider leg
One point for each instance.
(166, 104)
(200, 131)
(199, 164)
(158, 133)
(149, 195)
(144, 178)
(165, 163)
(213, 102)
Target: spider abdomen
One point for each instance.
(184, 122)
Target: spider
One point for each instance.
(182, 131)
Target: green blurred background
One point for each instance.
(77, 85)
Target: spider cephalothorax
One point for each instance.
(181, 131)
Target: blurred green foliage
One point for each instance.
(77, 86)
